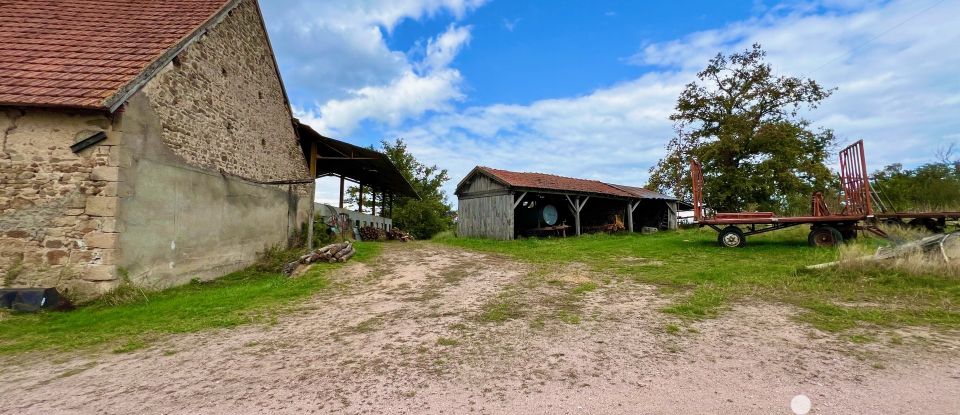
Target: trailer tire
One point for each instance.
(849, 233)
(824, 237)
(731, 237)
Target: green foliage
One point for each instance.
(248, 296)
(741, 122)
(275, 258)
(425, 217)
(933, 186)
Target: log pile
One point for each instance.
(370, 233)
(341, 252)
(398, 235)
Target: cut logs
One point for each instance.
(370, 233)
(340, 252)
(398, 235)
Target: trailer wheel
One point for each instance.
(849, 233)
(824, 237)
(731, 237)
(930, 224)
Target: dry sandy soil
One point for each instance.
(406, 334)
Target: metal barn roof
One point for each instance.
(359, 164)
(551, 182)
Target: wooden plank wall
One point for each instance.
(481, 183)
(486, 217)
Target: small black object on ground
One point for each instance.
(30, 300)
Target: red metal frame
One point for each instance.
(858, 208)
(855, 181)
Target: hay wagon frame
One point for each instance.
(826, 228)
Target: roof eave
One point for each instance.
(118, 98)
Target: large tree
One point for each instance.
(741, 121)
(424, 217)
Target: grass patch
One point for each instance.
(446, 341)
(253, 295)
(368, 326)
(584, 287)
(672, 329)
(500, 310)
(703, 279)
(705, 302)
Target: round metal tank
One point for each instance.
(538, 216)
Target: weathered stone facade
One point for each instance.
(222, 106)
(57, 208)
(150, 202)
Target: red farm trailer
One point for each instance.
(826, 228)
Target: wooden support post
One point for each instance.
(360, 199)
(341, 191)
(671, 215)
(373, 201)
(576, 206)
(631, 207)
(391, 206)
(519, 199)
(313, 176)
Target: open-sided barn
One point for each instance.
(503, 204)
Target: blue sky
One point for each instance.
(584, 89)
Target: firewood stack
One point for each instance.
(340, 252)
(370, 233)
(398, 235)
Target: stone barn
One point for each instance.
(149, 140)
(502, 204)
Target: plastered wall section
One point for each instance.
(58, 208)
(197, 138)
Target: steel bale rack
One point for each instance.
(826, 229)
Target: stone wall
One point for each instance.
(150, 201)
(221, 103)
(57, 208)
(218, 108)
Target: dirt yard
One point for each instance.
(432, 329)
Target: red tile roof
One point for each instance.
(570, 184)
(552, 182)
(79, 53)
(643, 193)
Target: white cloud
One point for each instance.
(895, 68)
(332, 49)
(510, 24)
(406, 97)
(441, 50)
(898, 90)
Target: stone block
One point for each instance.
(76, 201)
(105, 173)
(100, 273)
(104, 257)
(100, 240)
(56, 257)
(18, 233)
(101, 206)
(73, 212)
(108, 225)
(110, 189)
